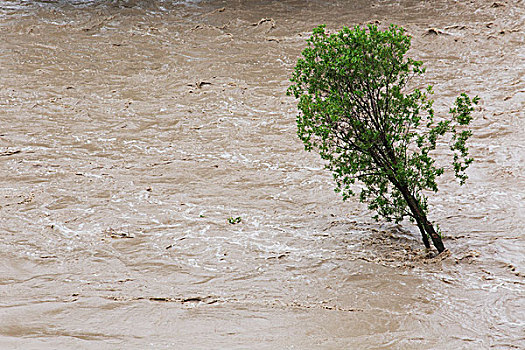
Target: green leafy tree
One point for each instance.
(357, 110)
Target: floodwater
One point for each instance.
(130, 131)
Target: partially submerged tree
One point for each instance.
(357, 110)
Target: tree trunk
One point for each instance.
(436, 239)
(426, 228)
(424, 235)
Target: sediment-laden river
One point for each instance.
(131, 131)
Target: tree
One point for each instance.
(357, 110)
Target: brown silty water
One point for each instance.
(131, 131)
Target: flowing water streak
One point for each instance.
(130, 131)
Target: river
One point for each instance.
(132, 131)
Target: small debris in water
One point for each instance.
(234, 221)
(200, 84)
(206, 300)
(278, 256)
(113, 233)
(9, 153)
(435, 31)
(265, 20)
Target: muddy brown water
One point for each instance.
(130, 131)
